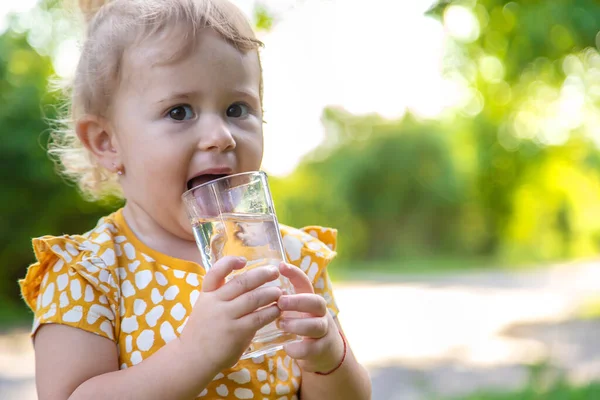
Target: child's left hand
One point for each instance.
(322, 347)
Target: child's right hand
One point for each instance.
(226, 316)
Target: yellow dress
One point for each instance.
(109, 283)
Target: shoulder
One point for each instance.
(92, 254)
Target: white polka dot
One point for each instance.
(101, 238)
(129, 251)
(292, 247)
(123, 366)
(133, 266)
(166, 332)
(102, 311)
(305, 263)
(120, 239)
(64, 300)
(56, 248)
(314, 245)
(121, 273)
(51, 312)
(160, 278)
(261, 374)
(104, 275)
(265, 389)
(73, 315)
(146, 340)
(193, 297)
(102, 299)
(92, 318)
(45, 280)
(282, 374)
(48, 295)
(178, 273)
(241, 376)
(108, 257)
(203, 393)
(139, 306)
(192, 279)
(89, 294)
(136, 357)
(286, 361)
(296, 369)
(243, 393)
(75, 289)
(182, 326)
(106, 327)
(148, 258)
(258, 360)
(320, 284)
(156, 296)
(295, 384)
(127, 289)
(271, 378)
(178, 311)
(312, 272)
(281, 389)
(222, 390)
(218, 376)
(62, 281)
(153, 316)
(58, 265)
(171, 292)
(142, 279)
(271, 366)
(129, 343)
(129, 324)
(122, 306)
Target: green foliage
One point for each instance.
(263, 18)
(34, 201)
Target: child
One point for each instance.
(167, 95)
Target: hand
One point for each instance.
(227, 315)
(322, 347)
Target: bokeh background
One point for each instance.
(454, 144)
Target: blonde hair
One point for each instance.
(113, 27)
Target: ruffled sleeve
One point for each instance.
(312, 249)
(70, 284)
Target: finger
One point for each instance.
(305, 349)
(297, 277)
(260, 318)
(309, 303)
(215, 277)
(247, 281)
(314, 328)
(253, 300)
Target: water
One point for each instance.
(255, 237)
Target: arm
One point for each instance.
(349, 381)
(75, 364)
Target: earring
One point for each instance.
(120, 169)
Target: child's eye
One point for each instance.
(237, 110)
(181, 113)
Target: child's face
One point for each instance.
(201, 114)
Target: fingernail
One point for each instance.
(284, 301)
(242, 260)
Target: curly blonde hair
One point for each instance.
(113, 27)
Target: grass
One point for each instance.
(559, 391)
(544, 383)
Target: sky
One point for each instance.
(382, 58)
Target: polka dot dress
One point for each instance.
(109, 283)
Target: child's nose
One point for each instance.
(216, 135)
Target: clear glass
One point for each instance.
(235, 216)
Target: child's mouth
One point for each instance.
(201, 179)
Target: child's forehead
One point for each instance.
(178, 57)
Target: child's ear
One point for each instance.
(97, 136)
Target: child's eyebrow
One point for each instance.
(245, 93)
